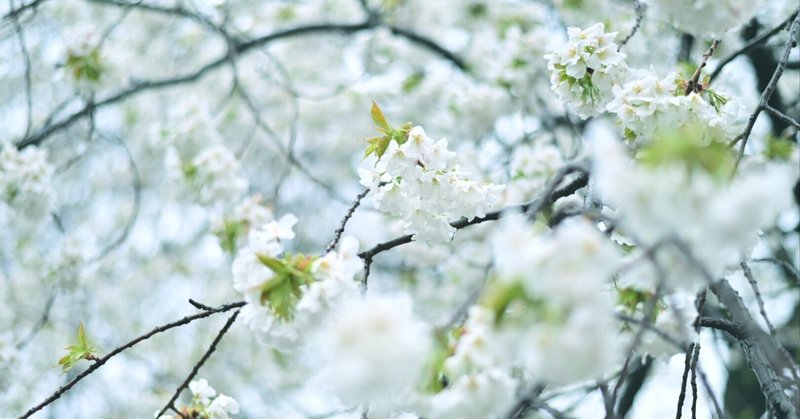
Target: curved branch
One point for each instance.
(549, 196)
(238, 48)
(430, 45)
(753, 44)
(101, 361)
(137, 203)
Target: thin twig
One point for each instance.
(753, 44)
(638, 7)
(693, 84)
(337, 235)
(686, 367)
(768, 91)
(26, 59)
(784, 264)
(782, 116)
(136, 185)
(101, 361)
(550, 195)
(199, 364)
(695, 359)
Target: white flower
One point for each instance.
(281, 229)
(201, 390)
(212, 173)
(416, 182)
(558, 353)
(717, 220)
(25, 181)
(341, 265)
(222, 407)
(248, 272)
(648, 105)
(375, 350)
(475, 396)
(584, 70)
(675, 320)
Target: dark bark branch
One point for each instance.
(337, 235)
(199, 364)
(638, 7)
(756, 346)
(549, 196)
(101, 361)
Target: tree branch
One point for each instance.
(239, 48)
(199, 364)
(773, 83)
(753, 44)
(101, 361)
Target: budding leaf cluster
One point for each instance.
(82, 350)
(379, 144)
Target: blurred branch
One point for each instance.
(178, 11)
(136, 182)
(239, 47)
(26, 60)
(767, 93)
(780, 115)
(14, 13)
(753, 44)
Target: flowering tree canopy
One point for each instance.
(399, 209)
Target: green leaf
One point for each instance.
(82, 350)
(629, 134)
(500, 295)
(275, 265)
(413, 81)
(686, 145)
(82, 336)
(379, 119)
(778, 149)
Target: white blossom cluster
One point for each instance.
(25, 181)
(704, 18)
(531, 166)
(250, 274)
(211, 175)
(416, 182)
(648, 105)
(235, 225)
(202, 405)
(584, 70)
(565, 288)
(332, 281)
(481, 384)
(373, 350)
(719, 220)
